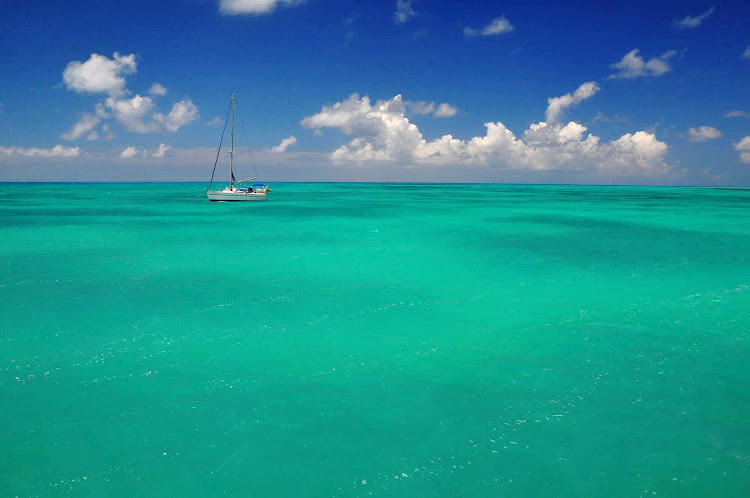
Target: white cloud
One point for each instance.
(183, 113)
(556, 105)
(382, 133)
(237, 7)
(744, 147)
(421, 107)
(157, 90)
(133, 113)
(703, 133)
(736, 114)
(746, 53)
(639, 151)
(445, 110)
(498, 26)
(162, 152)
(633, 65)
(404, 11)
(99, 74)
(129, 152)
(217, 121)
(56, 151)
(86, 124)
(285, 144)
(138, 114)
(693, 22)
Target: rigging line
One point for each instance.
(220, 142)
(252, 160)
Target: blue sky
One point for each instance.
(334, 90)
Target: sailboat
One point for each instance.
(235, 191)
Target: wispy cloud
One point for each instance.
(216, 122)
(161, 152)
(694, 21)
(633, 65)
(349, 25)
(404, 11)
(257, 7)
(157, 89)
(703, 134)
(56, 151)
(556, 105)
(421, 107)
(498, 26)
(735, 113)
(746, 53)
(86, 125)
(285, 144)
(600, 117)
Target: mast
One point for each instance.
(231, 150)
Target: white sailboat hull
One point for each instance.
(235, 195)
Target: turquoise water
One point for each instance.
(393, 340)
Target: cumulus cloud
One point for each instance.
(183, 113)
(56, 151)
(404, 11)
(285, 144)
(162, 151)
(157, 90)
(703, 133)
(744, 147)
(422, 107)
(498, 26)
(693, 22)
(382, 133)
(736, 114)
(217, 121)
(556, 105)
(138, 114)
(99, 74)
(633, 65)
(238, 7)
(132, 113)
(129, 152)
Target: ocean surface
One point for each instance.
(374, 339)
